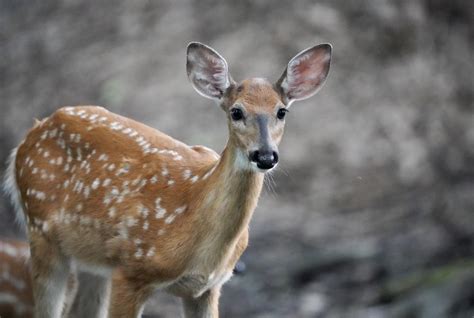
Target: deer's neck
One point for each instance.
(230, 197)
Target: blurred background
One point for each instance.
(371, 212)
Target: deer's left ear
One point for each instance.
(305, 73)
(207, 70)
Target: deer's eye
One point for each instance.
(282, 113)
(236, 114)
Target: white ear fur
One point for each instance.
(207, 70)
(305, 73)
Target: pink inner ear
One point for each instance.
(210, 74)
(306, 74)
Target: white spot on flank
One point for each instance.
(160, 213)
(194, 179)
(180, 210)
(103, 157)
(151, 252)
(86, 191)
(40, 195)
(164, 172)
(112, 211)
(106, 182)
(131, 221)
(143, 210)
(137, 241)
(107, 200)
(111, 167)
(170, 182)
(46, 154)
(139, 253)
(53, 133)
(78, 186)
(122, 170)
(95, 183)
(161, 232)
(45, 226)
(170, 218)
(135, 181)
(186, 174)
(154, 179)
(115, 192)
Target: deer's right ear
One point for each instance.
(207, 70)
(305, 73)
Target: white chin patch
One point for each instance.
(254, 167)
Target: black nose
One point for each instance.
(264, 159)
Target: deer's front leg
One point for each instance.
(205, 306)
(127, 298)
(92, 300)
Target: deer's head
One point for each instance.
(255, 107)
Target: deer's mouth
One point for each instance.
(261, 168)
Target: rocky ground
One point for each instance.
(372, 211)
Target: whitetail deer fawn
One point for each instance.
(16, 296)
(108, 194)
